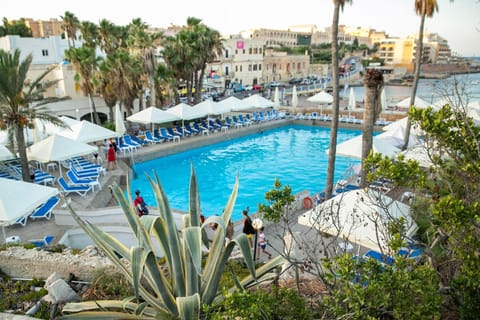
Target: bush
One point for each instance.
(280, 303)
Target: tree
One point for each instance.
(373, 82)
(143, 44)
(338, 4)
(85, 63)
(18, 28)
(423, 8)
(70, 26)
(185, 282)
(17, 93)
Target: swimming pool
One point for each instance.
(295, 154)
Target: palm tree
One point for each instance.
(17, 93)
(338, 4)
(85, 63)
(89, 32)
(143, 44)
(70, 25)
(423, 8)
(373, 82)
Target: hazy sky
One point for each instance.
(458, 21)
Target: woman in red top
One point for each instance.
(111, 157)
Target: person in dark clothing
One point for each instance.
(247, 226)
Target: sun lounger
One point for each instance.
(79, 181)
(372, 254)
(81, 189)
(42, 242)
(46, 209)
(150, 138)
(22, 221)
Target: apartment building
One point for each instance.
(44, 28)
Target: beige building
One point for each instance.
(44, 28)
(278, 66)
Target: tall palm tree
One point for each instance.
(89, 32)
(17, 93)
(85, 63)
(70, 24)
(338, 4)
(423, 8)
(143, 44)
(373, 82)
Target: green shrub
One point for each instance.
(279, 303)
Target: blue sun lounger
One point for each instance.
(46, 209)
(42, 242)
(79, 189)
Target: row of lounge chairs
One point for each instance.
(342, 119)
(132, 143)
(12, 169)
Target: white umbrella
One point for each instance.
(353, 147)
(52, 129)
(276, 98)
(351, 102)
(119, 124)
(153, 115)
(256, 101)
(359, 216)
(383, 99)
(321, 98)
(58, 148)
(209, 107)
(294, 99)
(418, 153)
(87, 132)
(185, 111)
(5, 154)
(19, 198)
(418, 103)
(230, 103)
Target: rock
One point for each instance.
(51, 279)
(59, 292)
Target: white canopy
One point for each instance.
(58, 148)
(383, 99)
(19, 198)
(353, 147)
(276, 98)
(5, 154)
(352, 102)
(185, 111)
(418, 103)
(359, 216)
(418, 153)
(86, 132)
(52, 129)
(400, 126)
(119, 124)
(209, 107)
(256, 101)
(322, 97)
(230, 103)
(153, 115)
(294, 99)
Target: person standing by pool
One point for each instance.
(111, 157)
(247, 226)
(140, 204)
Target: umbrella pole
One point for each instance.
(4, 235)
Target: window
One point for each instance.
(243, 51)
(226, 53)
(236, 68)
(249, 50)
(226, 71)
(44, 52)
(236, 51)
(260, 67)
(254, 67)
(240, 68)
(249, 67)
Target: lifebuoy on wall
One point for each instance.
(307, 202)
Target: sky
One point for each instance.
(457, 21)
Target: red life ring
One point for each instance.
(308, 202)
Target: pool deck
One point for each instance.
(102, 200)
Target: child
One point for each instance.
(141, 206)
(262, 243)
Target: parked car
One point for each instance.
(257, 87)
(248, 87)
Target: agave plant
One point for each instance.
(185, 281)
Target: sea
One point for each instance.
(430, 90)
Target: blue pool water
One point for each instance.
(294, 154)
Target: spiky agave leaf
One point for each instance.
(173, 256)
(189, 307)
(84, 310)
(194, 199)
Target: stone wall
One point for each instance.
(18, 262)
